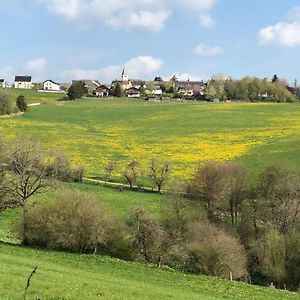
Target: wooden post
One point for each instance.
(231, 277)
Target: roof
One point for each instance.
(51, 81)
(132, 90)
(22, 78)
(102, 87)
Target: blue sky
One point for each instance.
(93, 39)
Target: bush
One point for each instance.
(61, 169)
(5, 105)
(72, 222)
(209, 250)
(21, 103)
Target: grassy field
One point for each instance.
(70, 276)
(32, 96)
(92, 132)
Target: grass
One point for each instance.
(32, 96)
(71, 276)
(92, 132)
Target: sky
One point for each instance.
(192, 39)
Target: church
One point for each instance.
(127, 83)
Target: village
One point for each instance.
(131, 88)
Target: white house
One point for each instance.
(133, 93)
(50, 85)
(2, 83)
(23, 82)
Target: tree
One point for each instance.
(131, 173)
(77, 90)
(118, 90)
(21, 103)
(26, 164)
(174, 211)
(159, 173)
(275, 78)
(5, 105)
(147, 235)
(109, 169)
(279, 189)
(235, 186)
(207, 185)
(272, 256)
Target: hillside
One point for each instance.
(92, 132)
(32, 96)
(70, 276)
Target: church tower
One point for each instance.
(125, 78)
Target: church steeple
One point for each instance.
(124, 76)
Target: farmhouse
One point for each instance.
(102, 91)
(133, 93)
(23, 82)
(2, 83)
(50, 85)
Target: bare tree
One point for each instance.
(236, 182)
(159, 173)
(131, 173)
(148, 236)
(207, 185)
(109, 169)
(26, 165)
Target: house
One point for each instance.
(23, 82)
(2, 83)
(102, 91)
(50, 85)
(133, 93)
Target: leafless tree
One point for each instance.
(109, 169)
(159, 173)
(131, 173)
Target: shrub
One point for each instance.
(61, 169)
(72, 222)
(209, 250)
(21, 103)
(5, 105)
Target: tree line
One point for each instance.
(221, 222)
(249, 89)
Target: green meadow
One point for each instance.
(31, 96)
(94, 131)
(91, 132)
(70, 276)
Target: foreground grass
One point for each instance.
(71, 276)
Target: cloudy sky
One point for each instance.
(81, 39)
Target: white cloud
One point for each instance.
(285, 34)
(204, 50)
(207, 21)
(151, 15)
(37, 68)
(36, 65)
(136, 67)
(188, 76)
(7, 73)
